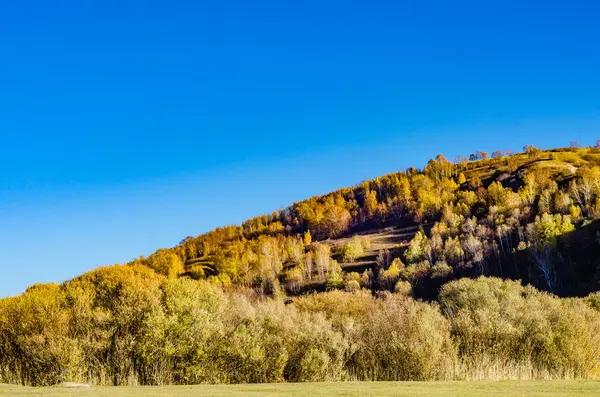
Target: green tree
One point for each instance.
(547, 228)
(418, 248)
(353, 249)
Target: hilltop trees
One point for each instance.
(531, 151)
(439, 168)
(475, 223)
(479, 155)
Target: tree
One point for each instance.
(496, 194)
(546, 228)
(336, 221)
(166, 262)
(479, 155)
(370, 200)
(321, 256)
(384, 258)
(439, 168)
(307, 238)
(575, 144)
(586, 187)
(497, 154)
(353, 249)
(531, 150)
(308, 264)
(474, 248)
(335, 278)
(418, 248)
(294, 250)
(270, 258)
(392, 273)
(294, 277)
(325, 217)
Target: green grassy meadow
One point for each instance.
(397, 389)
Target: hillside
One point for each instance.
(475, 269)
(476, 217)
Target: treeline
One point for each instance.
(127, 325)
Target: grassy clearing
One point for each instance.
(446, 389)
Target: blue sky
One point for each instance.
(126, 126)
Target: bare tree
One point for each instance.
(530, 149)
(544, 258)
(308, 265)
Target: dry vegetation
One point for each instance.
(131, 326)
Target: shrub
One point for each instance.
(402, 339)
(129, 325)
(403, 288)
(505, 330)
(352, 286)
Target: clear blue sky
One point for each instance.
(128, 125)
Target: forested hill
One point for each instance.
(235, 305)
(528, 216)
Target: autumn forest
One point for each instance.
(483, 267)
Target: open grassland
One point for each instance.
(446, 389)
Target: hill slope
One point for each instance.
(476, 217)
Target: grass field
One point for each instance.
(446, 389)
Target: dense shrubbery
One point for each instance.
(129, 325)
(503, 328)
